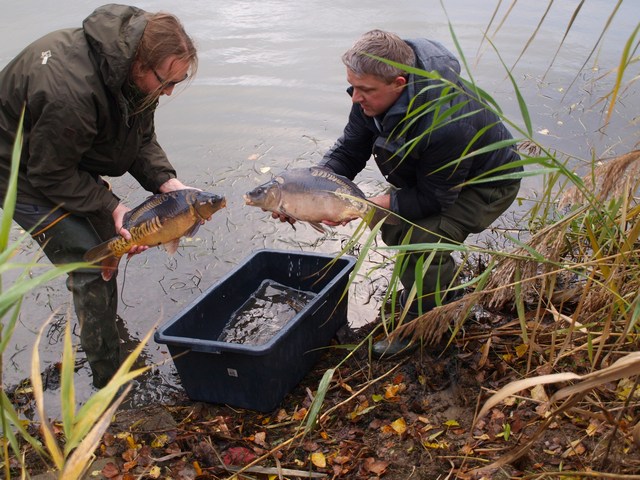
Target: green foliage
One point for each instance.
(82, 430)
(590, 241)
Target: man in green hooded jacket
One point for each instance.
(89, 96)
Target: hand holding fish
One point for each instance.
(383, 201)
(330, 223)
(162, 219)
(283, 218)
(337, 224)
(118, 218)
(174, 184)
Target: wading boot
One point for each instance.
(397, 347)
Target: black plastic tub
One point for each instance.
(257, 377)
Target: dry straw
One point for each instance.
(535, 270)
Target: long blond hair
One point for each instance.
(164, 36)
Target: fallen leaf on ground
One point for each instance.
(238, 456)
(318, 459)
(375, 466)
(110, 470)
(399, 426)
(260, 439)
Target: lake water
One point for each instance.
(270, 94)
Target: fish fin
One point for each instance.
(172, 246)
(193, 230)
(384, 216)
(98, 252)
(109, 267)
(126, 218)
(318, 227)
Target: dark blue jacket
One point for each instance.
(411, 156)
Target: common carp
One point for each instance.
(312, 195)
(162, 219)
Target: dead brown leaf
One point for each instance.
(110, 470)
(373, 465)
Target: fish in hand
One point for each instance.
(162, 219)
(314, 195)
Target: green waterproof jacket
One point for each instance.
(78, 122)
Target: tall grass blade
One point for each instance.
(627, 366)
(50, 441)
(461, 55)
(7, 330)
(17, 423)
(486, 30)
(576, 11)
(318, 400)
(502, 21)
(520, 308)
(67, 388)
(93, 409)
(80, 460)
(9, 204)
(598, 41)
(15, 293)
(524, 111)
(624, 63)
(533, 35)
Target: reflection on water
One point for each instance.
(267, 311)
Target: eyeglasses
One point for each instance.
(165, 83)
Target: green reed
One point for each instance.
(70, 454)
(580, 256)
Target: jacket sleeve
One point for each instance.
(59, 136)
(349, 155)
(151, 168)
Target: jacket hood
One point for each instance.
(430, 56)
(114, 32)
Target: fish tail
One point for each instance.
(108, 261)
(98, 252)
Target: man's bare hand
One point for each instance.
(283, 218)
(118, 219)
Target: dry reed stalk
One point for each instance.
(609, 178)
(499, 290)
(536, 278)
(431, 326)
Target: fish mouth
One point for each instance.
(247, 199)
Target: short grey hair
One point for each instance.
(382, 44)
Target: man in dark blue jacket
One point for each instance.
(429, 137)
